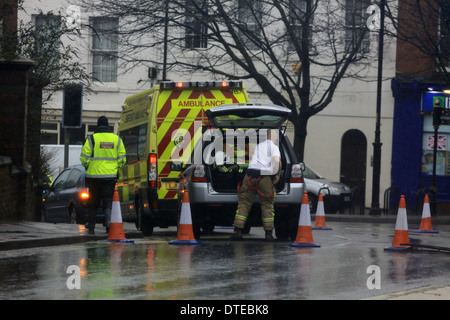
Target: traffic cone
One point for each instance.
(320, 216)
(116, 232)
(185, 231)
(425, 224)
(401, 237)
(304, 234)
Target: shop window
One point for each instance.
(443, 150)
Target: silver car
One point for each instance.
(336, 196)
(213, 189)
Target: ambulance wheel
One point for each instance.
(147, 226)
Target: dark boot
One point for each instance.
(237, 234)
(107, 219)
(269, 236)
(91, 222)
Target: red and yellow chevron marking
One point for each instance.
(177, 112)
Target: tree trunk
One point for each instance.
(300, 131)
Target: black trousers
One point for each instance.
(101, 191)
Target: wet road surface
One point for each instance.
(151, 268)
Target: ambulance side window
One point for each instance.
(134, 140)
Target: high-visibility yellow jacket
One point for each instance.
(102, 154)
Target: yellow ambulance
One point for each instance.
(159, 128)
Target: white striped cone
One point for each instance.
(185, 232)
(320, 223)
(401, 236)
(116, 232)
(304, 235)
(425, 224)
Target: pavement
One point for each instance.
(29, 234)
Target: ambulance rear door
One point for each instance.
(180, 117)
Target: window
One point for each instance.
(196, 27)
(443, 151)
(104, 49)
(76, 136)
(61, 180)
(355, 25)
(48, 32)
(134, 140)
(250, 17)
(297, 11)
(72, 180)
(49, 133)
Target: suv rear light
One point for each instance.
(152, 172)
(199, 174)
(296, 173)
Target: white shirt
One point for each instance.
(263, 158)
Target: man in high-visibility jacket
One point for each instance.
(102, 155)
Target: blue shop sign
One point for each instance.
(428, 99)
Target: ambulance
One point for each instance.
(159, 128)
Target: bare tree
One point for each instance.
(56, 64)
(422, 29)
(295, 51)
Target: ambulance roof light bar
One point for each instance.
(201, 84)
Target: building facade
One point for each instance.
(339, 141)
(421, 79)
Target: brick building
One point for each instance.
(422, 65)
(16, 188)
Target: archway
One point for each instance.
(353, 164)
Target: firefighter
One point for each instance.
(263, 173)
(102, 155)
(220, 162)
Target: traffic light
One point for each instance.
(72, 105)
(437, 113)
(152, 72)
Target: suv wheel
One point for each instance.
(312, 202)
(196, 221)
(286, 223)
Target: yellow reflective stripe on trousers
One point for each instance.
(271, 219)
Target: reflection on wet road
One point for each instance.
(151, 268)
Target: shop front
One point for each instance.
(413, 144)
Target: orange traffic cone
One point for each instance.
(401, 237)
(185, 231)
(320, 216)
(425, 225)
(116, 232)
(304, 235)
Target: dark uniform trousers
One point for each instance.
(101, 191)
(247, 196)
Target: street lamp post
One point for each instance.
(375, 207)
(437, 112)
